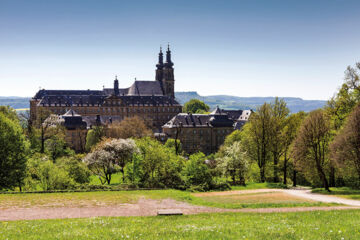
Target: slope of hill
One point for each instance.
(15, 102)
(223, 101)
(233, 102)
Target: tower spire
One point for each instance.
(116, 86)
(168, 62)
(161, 59)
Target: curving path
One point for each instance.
(322, 198)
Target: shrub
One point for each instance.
(76, 169)
(197, 173)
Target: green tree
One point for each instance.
(75, 168)
(52, 177)
(235, 162)
(345, 149)
(197, 173)
(279, 114)
(174, 144)
(43, 172)
(233, 137)
(311, 146)
(160, 166)
(195, 106)
(9, 113)
(340, 106)
(12, 153)
(93, 137)
(133, 170)
(55, 146)
(256, 138)
(289, 132)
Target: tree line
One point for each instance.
(320, 148)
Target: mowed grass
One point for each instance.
(116, 179)
(110, 198)
(251, 186)
(300, 225)
(84, 199)
(344, 192)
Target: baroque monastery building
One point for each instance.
(153, 101)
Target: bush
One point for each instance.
(76, 169)
(196, 173)
(52, 177)
(221, 186)
(159, 166)
(43, 174)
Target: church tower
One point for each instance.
(116, 86)
(159, 68)
(168, 80)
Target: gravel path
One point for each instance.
(323, 198)
(149, 207)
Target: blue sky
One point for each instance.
(243, 48)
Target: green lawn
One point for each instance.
(81, 199)
(107, 198)
(115, 179)
(344, 192)
(302, 225)
(258, 186)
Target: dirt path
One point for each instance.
(149, 207)
(322, 198)
(302, 193)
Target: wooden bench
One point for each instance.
(168, 212)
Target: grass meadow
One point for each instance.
(301, 225)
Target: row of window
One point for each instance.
(117, 110)
(220, 131)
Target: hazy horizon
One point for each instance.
(239, 48)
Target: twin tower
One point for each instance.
(165, 73)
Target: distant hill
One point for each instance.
(15, 102)
(223, 101)
(233, 102)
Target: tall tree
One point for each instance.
(12, 153)
(160, 166)
(311, 145)
(195, 106)
(47, 126)
(256, 137)
(279, 114)
(340, 106)
(289, 132)
(345, 149)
